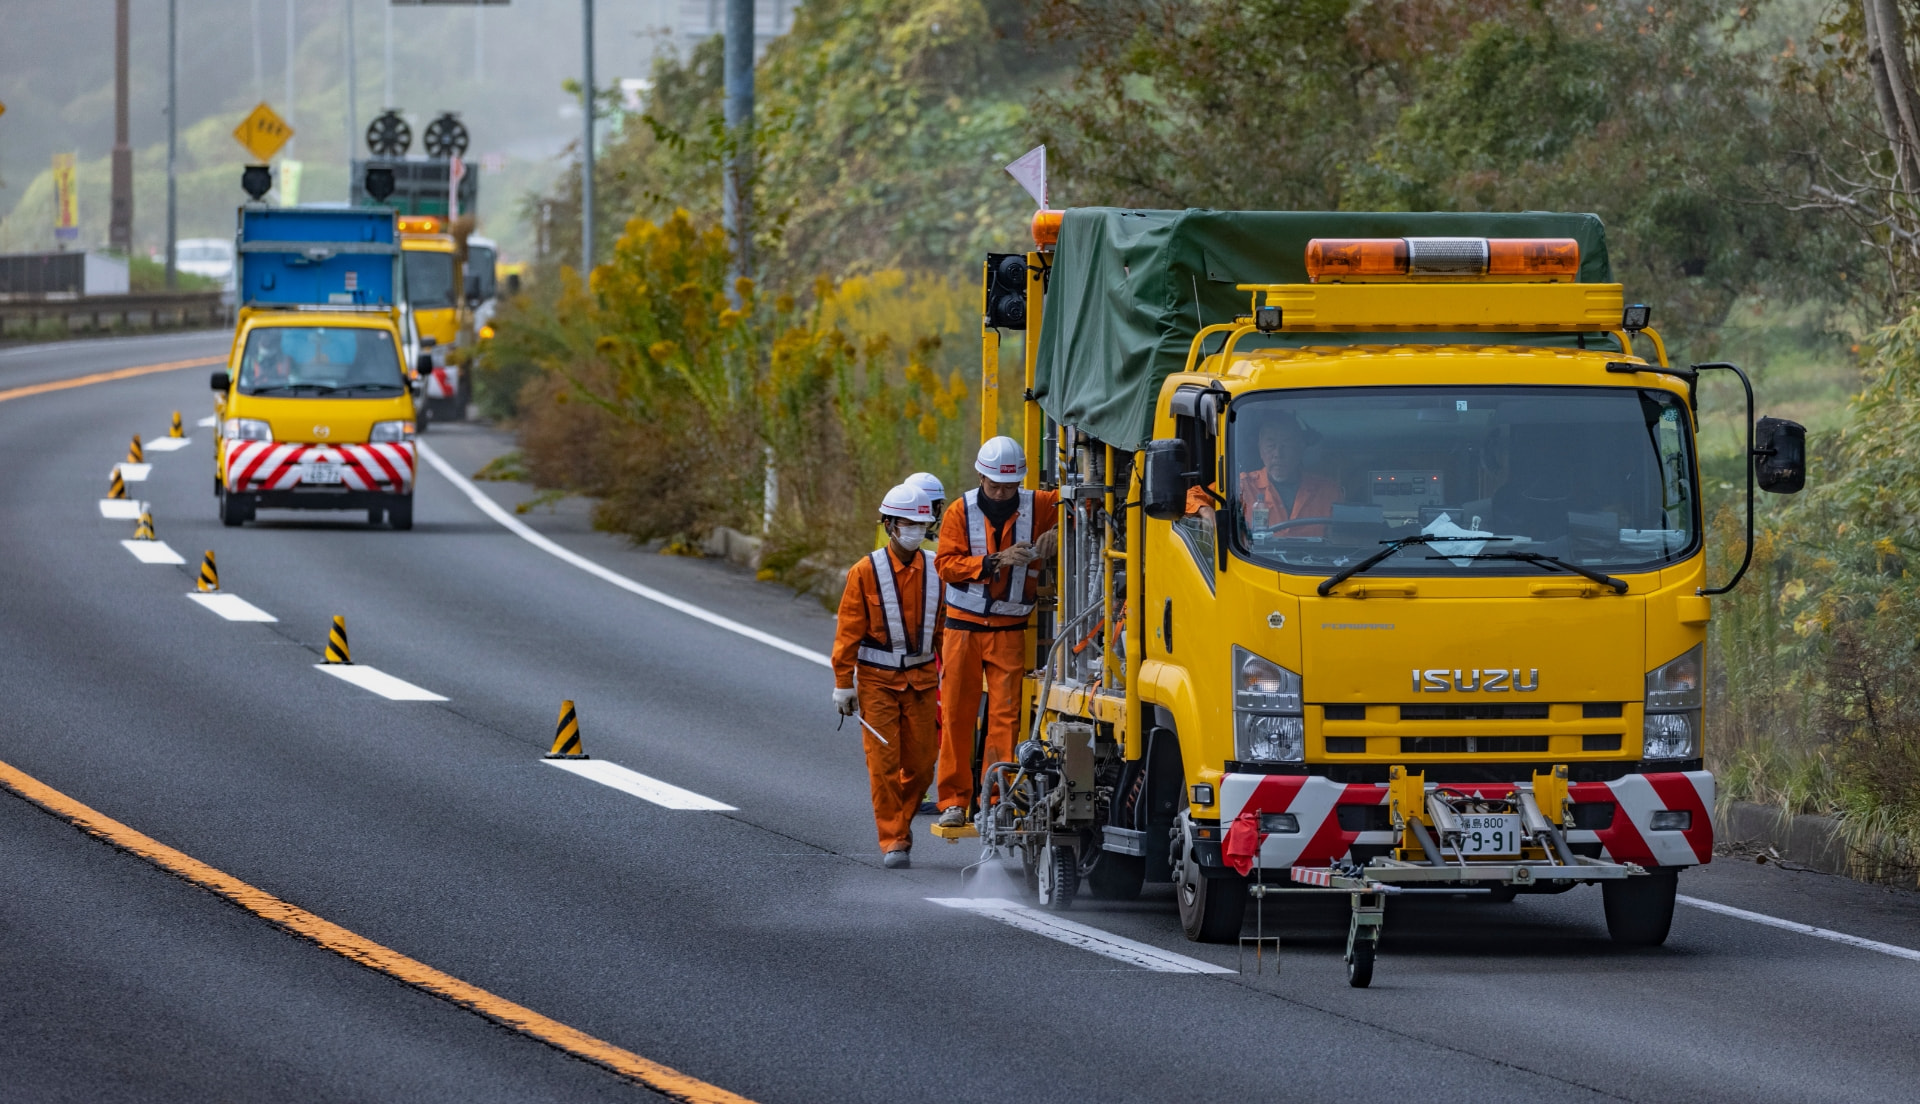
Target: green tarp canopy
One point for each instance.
(1129, 289)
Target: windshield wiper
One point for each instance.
(320, 388)
(1619, 585)
(371, 387)
(1393, 546)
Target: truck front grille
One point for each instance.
(1470, 745)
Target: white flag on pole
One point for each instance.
(456, 172)
(1031, 171)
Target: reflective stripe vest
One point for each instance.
(972, 597)
(896, 657)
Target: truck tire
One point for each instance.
(400, 512)
(235, 509)
(1640, 909)
(1212, 910)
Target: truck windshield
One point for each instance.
(429, 279)
(347, 362)
(1595, 476)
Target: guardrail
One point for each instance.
(23, 317)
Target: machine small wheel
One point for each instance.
(1360, 966)
(1057, 878)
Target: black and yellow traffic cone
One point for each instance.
(176, 430)
(144, 530)
(117, 487)
(337, 651)
(209, 575)
(135, 455)
(566, 735)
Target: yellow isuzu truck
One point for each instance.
(1382, 566)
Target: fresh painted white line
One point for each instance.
(207, 422)
(639, 785)
(377, 681)
(233, 607)
(1907, 953)
(126, 509)
(526, 533)
(168, 444)
(1080, 935)
(152, 551)
(133, 473)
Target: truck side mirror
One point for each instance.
(1163, 484)
(1780, 455)
(221, 381)
(424, 364)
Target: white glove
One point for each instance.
(846, 701)
(1018, 555)
(1049, 542)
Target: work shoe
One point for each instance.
(955, 817)
(899, 859)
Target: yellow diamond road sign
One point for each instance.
(263, 133)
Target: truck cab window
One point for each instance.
(1595, 476)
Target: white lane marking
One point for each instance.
(1080, 935)
(525, 532)
(377, 681)
(207, 422)
(233, 607)
(152, 551)
(1907, 953)
(121, 509)
(133, 473)
(639, 785)
(168, 444)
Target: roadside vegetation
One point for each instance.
(1757, 188)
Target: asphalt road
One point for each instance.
(762, 949)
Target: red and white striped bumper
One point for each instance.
(277, 466)
(1628, 837)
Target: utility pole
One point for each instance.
(387, 92)
(736, 198)
(353, 105)
(479, 43)
(586, 148)
(120, 221)
(259, 63)
(173, 137)
(292, 49)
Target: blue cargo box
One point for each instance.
(301, 256)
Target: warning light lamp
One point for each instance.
(1046, 228)
(257, 180)
(1006, 291)
(420, 224)
(1335, 258)
(486, 333)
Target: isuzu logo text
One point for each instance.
(1486, 680)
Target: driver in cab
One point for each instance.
(1279, 490)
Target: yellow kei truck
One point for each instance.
(1381, 570)
(316, 404)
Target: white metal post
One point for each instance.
(292, 51)
(353, 103)
(173, 136)
(586, 150)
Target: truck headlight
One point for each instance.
(246, 429)
(390, 431)
(1673, 707)
(1267, 722)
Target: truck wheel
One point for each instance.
(1057, 878)
(375, 515)
(1211, 909)
(1640, 909)
(1116, 877)
(400, 514)
(235, 509)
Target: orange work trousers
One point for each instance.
(900, 769)
(965, 657)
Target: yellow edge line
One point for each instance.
(106, 377)
(333, 937)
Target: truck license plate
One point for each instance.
(321, 473)
(1489, 834)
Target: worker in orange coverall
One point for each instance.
(888, 636)
(993, 543)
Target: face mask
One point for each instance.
(910, 536)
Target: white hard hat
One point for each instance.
(1001, 460)
(930, 483)
(909, 502)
